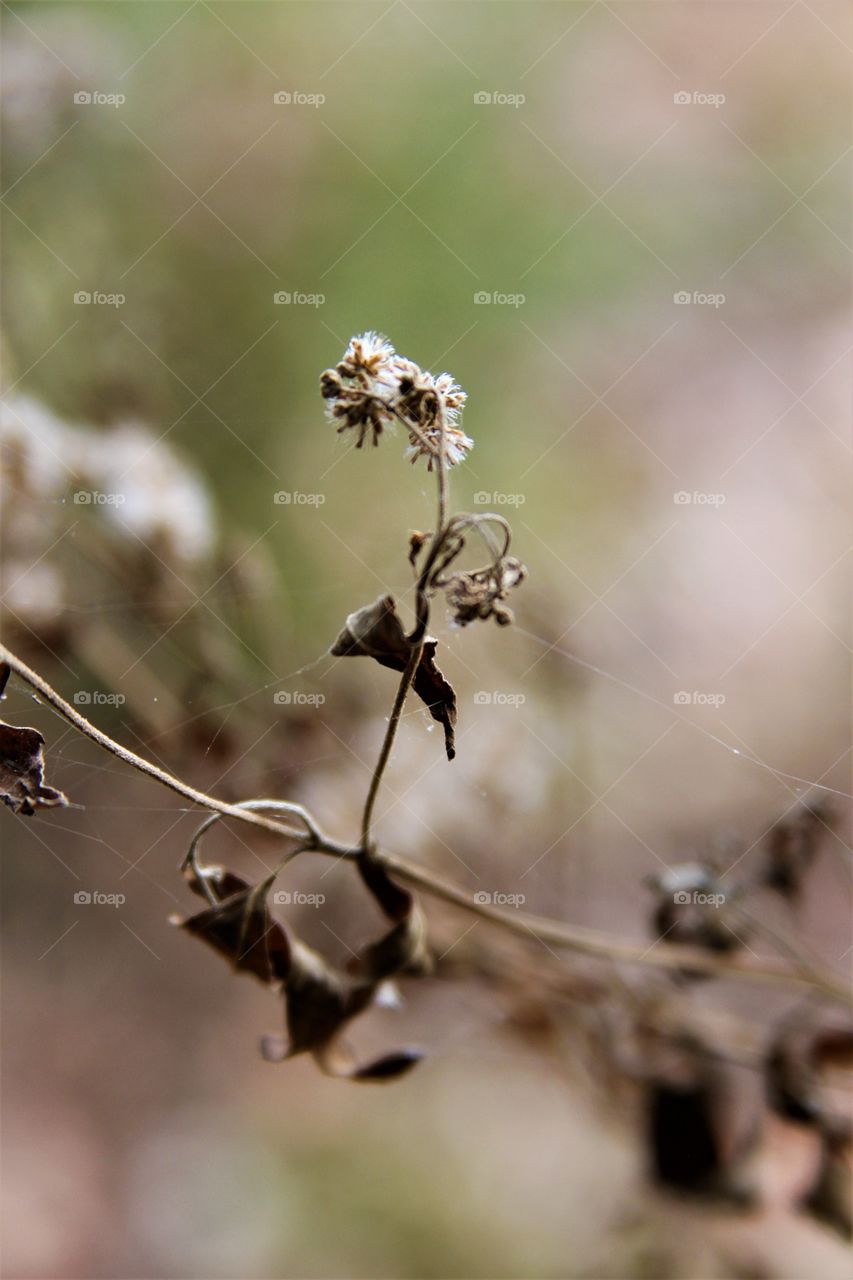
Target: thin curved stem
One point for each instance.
(553, 933)
(388, 741)
(314, 838)
(200, 798)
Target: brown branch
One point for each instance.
(553, 933)
(316, 838)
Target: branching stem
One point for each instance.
(551, 933)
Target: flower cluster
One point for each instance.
(372, 387)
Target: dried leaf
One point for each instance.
(320, 999)
(404, 949)
(437, 694)
(22, 771)
(241, 928)
(375, 631)
(395, 901)
(391, 1067)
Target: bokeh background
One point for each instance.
(625, 229)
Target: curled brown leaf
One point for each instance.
(22, 772)
(375, 631)
(241, 928)
(319, 999)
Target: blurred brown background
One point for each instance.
(624, 228)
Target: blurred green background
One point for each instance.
(534, 245)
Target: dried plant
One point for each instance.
(651, 1035)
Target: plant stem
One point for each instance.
(416, 639)
(550, 932)
(84, 726)
(388, 742)
(554, 933)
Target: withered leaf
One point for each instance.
(404, 949)
(375, 631)
(22, 771)
(395, 901)
(241, 929)
(319, 998)
(437, 694)
(337, 1060)
(391, 1067)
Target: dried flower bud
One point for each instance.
(692, 909)
(457, 446)
(480, 595)
(366, 355)
(330, 384)
(417, 542)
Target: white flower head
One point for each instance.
(457, 446)
(367, 355)
(372, 387)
